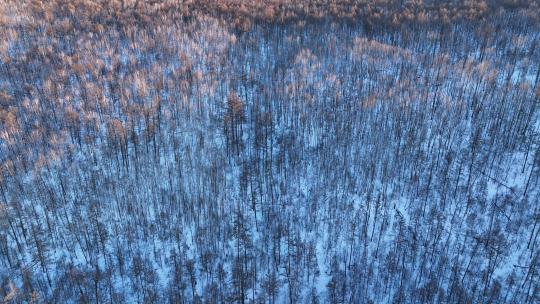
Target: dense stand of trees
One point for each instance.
(218, 155)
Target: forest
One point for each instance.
(279, 151)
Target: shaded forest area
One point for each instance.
(269, 151)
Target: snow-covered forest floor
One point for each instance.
(290, 163)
